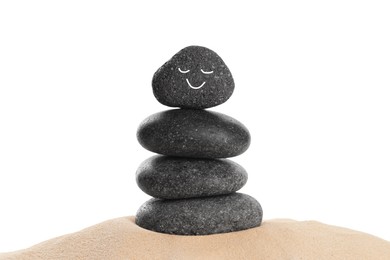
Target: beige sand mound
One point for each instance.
(275, 239)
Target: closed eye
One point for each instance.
(206, 72)
(184, 71)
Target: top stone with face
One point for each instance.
(195, 77)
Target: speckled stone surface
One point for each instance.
(200, 216)
(193, 133)
(178, 178)
(195, 77)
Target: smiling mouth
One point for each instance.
(198, 87)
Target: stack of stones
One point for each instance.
(193, 186)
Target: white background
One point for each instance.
(312, 86)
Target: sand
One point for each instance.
(276, 239)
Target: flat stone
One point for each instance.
(195, 77)
(200, 216)
(193, 133)
(168, 177)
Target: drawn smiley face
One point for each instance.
(195, 77)
(189, 83)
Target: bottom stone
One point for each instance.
(200, 216)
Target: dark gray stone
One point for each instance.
(168, 177)
(193, 133)
(195, 77)
(200, 216)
